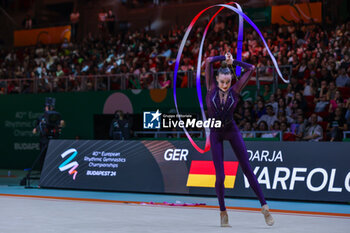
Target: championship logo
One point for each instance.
(68, 164)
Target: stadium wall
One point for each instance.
(19, 114)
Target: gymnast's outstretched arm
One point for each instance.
(242, 82)
(209, 72)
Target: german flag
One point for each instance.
(202, 174)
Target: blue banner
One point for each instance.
(313, 171)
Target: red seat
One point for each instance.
(323, 114)
(309, 99)
(308, 114)
(310, 107)
(251, 83)
(288, 137)
(323, 124)
(345, 92)
(324, 137)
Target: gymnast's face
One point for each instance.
(224, 81)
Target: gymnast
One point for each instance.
(221, 101)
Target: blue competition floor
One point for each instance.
(342, 209)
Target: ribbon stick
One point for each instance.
(240, 41)
(242, 16)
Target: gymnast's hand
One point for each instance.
(229, 58)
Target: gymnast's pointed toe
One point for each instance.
(224, 219)
(268, 217)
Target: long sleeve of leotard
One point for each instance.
(242, 82)
(242, 64)
(209, 72)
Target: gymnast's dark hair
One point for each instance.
(224, 69)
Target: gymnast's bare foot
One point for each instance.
(224, 219)
(266, 212)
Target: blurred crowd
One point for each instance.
(295, 117)
(314, 106)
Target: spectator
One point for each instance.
(301, 100)
(74, 20)
(282, 117)
(269, 117)
(260, 108)
(282, 106)
(325, 75)
(279, 94)
(322, 91)
(267, 92)
(336, 125)
(273, 103)
(292, 109)
(284, 127)
(321, 104)
(120, 126)
(296, 86)
(331, 90)
(289, 94)
(219, 25)
(247, 117)
(299, 127)
(248, 105)
(276, 126)
(102, 17)
(28, 22)
(246, 130)
(336, 102)
(310, 88)
(262, 126)
(110, 22)
(314, 132)
(347, 113)
(343, 79)
(165, 83)
(301, 69)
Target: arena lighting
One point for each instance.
(242, 16)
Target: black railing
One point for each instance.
(125, 81)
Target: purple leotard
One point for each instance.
(229, 130)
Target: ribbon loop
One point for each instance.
(242, 16)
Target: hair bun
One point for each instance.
(224, 64)
(224, 70)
